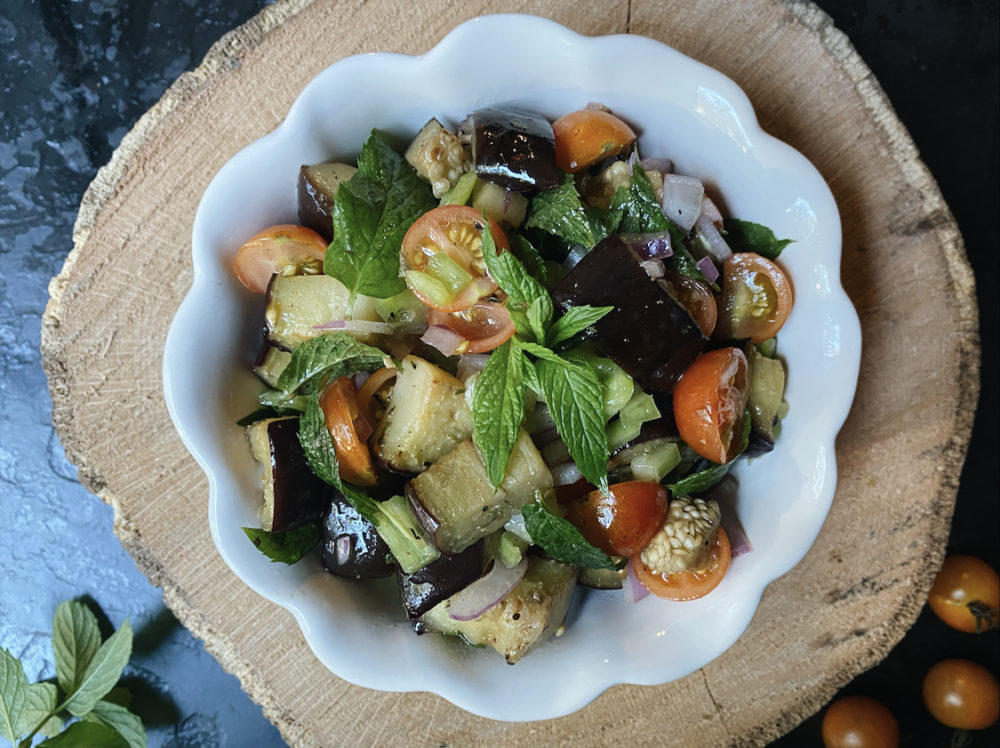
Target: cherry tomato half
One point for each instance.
(687, 585)
(966, 594)
(484, 326)
(343, 419)
(859, 722)
(962, 694)
(755, 300)
(624, 520)
(585, 137)
(442, 257)
(709, 402)
(285, 249)
(696, 297)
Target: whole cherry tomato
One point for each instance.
(962, 694)
(859, 722)
(966, 594)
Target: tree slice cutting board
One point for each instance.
(900, 453)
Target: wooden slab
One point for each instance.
(900, 453)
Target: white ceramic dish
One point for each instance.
(686, 112)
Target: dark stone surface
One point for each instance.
(76, 75)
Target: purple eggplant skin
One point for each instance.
(315, 206)
(647, 333)
(758, 444)
(299, 496)
(368, 555)
(514, 149)
(439, 580)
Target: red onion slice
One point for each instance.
(470, 363)
(710, 211)
(654, 268)
(682, 199)
(342, 549)
(708, 269)
(655, 246)
(662, 165)
(710, 240)
(632, 587)
(445, 340)
(566, 474)
(487, 591)
(367, 327)
(725, 493)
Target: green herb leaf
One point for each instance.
(127, 724)
(13, 693)
(560, 212)
(102, 673)
(327, 357)
(576, 320)
(746, 236)
(576, 402)
(40, 703)
(603, 223)
(317, 444)
(539, 315)
(541, 352)
(286, 547)
(86, 735)
(529, 257)
(371, 213)
(277, 402)
(561, 540)
(498, 409)
(262, 414)
(75, 640)
(510, 274)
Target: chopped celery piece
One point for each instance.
(654, 464)
(460, 193)
(403, 308)
(511, 549)
(449, 272)
(768, 347)
(637, 411)
(616, 385)
(407, 540)
(422, 283)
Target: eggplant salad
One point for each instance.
(513, 360)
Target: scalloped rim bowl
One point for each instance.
(685, 111)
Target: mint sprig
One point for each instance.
(326, 357)
(498, 408)
(285, 547)
(747, 236)
(561, 213)
(562, 540)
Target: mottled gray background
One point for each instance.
(76, 75)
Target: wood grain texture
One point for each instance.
(900, 452)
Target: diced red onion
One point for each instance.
(633, 159)
(470, 363)
(367, 327)
(654, 268)
(487, 591)
(710, 240)
(596, 105)
(632, 587)
(575, 255)
(662, 165)
(506, 202)
(725, 492)
(654, 246)
(515, 525)
(682, 199)
(342, 549)
(360, 378)
(566, 474)
(443, 339)
(708, 269)
(710, 211)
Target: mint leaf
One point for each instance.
(573, 394)
(102, 673)
(127, 724)
(498, 409)
(39, 704)
(576, 320)
(561, 540)
(327, 357)
(603, 223)
(75, 640)
(539, 315)
(371, 213)
(86, 735)
(276, 402)
(285, 547)
(263, 413)
(13, 692)
(528, 302)
(560, 212)
(317, 444)
(529, 257)
(746, 236)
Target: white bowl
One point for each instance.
(687, 112)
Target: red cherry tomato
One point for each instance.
(962, 694)
(585, 137)
(484, 326)
(709, 403)
(442, 257)
(859, 722)
(343, 419)
(966, 594)
(755, 300)
(687, 585)
(624, 520)
(286, 249)
(696, 297)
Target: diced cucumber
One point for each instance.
(460, 193)
(503, 206)
(448, 272)
(428, 286)
(768, 347)
(639, 409)
(653, 464)
(403, 309)
(511, 549)
(616, 386)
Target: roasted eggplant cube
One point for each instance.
(351, 546)
(527, 615)
(513, 149)
(648, 333)
(293, 495)
(297, 306)
(455, 502)
(439, 580)
(317, 186)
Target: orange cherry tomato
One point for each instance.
(696, 297)
(442, 257)
(859, 722)
(962, 694)
(585, 137)
(966, 594)
(624, 520)
(687, 585)
(484, 326)
(755, 300)
(285, 249)
(709, 403)
(343, 419)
